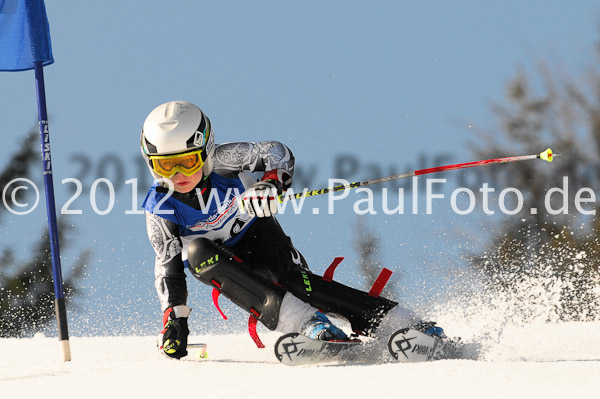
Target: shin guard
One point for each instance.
(219, 268)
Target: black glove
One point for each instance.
(261, 198)
(173, 337)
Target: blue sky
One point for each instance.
(392, 84)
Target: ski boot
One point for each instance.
(449, 348)
(429, 328)
(430, 343)
(320, 328)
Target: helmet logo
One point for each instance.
(210, 145)
(199, 139)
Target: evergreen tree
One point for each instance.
(559, 250)
(26, 288)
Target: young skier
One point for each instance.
(206, 213)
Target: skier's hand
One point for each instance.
(173, 337)
(261, 198)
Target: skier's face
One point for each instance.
(185, 184)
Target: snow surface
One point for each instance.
(549, 360)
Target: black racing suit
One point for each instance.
(264, 249)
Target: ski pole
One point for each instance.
(546, 155)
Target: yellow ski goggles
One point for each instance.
(187, 163)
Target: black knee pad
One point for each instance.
(216, 266)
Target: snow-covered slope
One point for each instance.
(533, 361)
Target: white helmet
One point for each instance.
(177, 127)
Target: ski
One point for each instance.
(294, 349)
(406, 345)
(412, 346)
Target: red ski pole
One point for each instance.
(545, 155)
